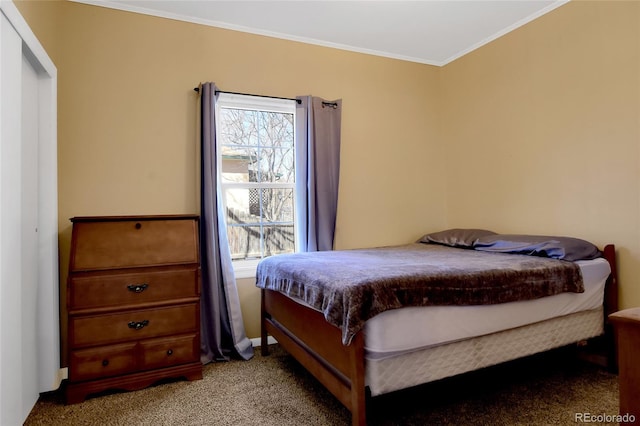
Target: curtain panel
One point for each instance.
(317, 177)
(222, 327)
(318, 171)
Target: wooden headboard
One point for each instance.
(606, 345)
(611, 287)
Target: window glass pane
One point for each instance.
(238, 127)
(237, 164)
(252, 211)
(275, 129)
(244, 242)
(238, 204)
(276, 165)
(278, 239)
(277, 205)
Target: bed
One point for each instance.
(371, 321)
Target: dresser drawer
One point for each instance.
(157, 353)
(90, 330)
(103, 290)
(106, 361)
(131, 243)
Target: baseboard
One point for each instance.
(256, 342)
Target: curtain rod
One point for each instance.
(298, 101)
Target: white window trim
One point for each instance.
(229, 100)
(245, 268)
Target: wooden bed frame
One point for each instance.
(306, 335)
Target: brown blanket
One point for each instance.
(351, 286)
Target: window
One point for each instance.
(256, 163)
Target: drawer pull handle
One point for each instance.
(138, 325)
(105, 362)
(137, 288)
(170, 352)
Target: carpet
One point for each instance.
(547, 389)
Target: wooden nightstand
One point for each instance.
(627, 327)
(133, 298)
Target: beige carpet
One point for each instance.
(274, 390)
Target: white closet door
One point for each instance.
(11, 366)
(29, 331)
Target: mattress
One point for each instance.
(415, 328)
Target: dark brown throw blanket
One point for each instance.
(351, 286)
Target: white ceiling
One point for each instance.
(433, 32)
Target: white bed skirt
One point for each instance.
(433, 363)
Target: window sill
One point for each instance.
(245, 268)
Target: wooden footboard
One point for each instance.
(317, 345)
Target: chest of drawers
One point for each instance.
(133, 300)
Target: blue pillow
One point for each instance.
(564, 248)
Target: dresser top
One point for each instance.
(136, 218)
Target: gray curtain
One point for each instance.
(222, 328)
(318, 170)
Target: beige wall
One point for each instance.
(127, 121)
(536, 132)
(543, 131)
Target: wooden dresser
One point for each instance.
(133, 300)
(627, 327)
